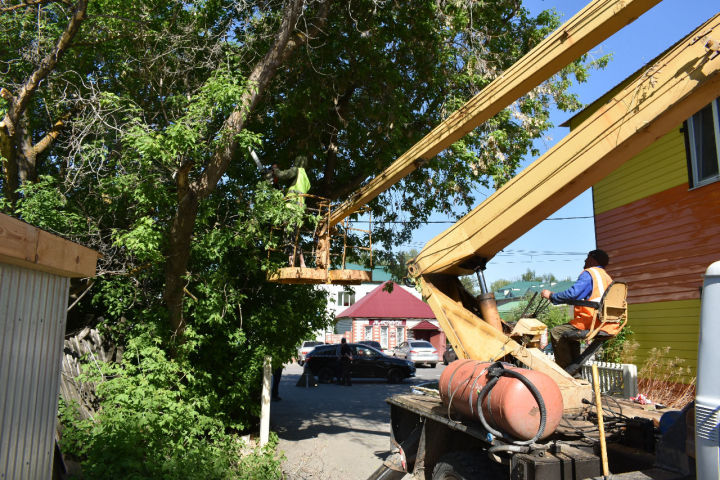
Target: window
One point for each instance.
(400, 334)
(368, 332)
(703, 139)
(384, 336)
(345, 299)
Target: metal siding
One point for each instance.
(661, 166)
(662, 244)
(32, 328)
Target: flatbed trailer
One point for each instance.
(433, 442)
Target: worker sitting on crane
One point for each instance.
(590, 286)
(300, 186)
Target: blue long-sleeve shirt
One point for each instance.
(581, 289)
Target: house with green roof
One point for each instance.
(511, 296)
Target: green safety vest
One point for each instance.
(301, 185)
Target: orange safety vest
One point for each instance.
(584, 315)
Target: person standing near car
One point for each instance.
(346, 357)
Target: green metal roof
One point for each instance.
(521, 289)
(380, 273)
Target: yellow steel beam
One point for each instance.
(473, 338)
(596, 22)
(670, 90)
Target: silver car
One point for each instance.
(304, 349)
(417, 351)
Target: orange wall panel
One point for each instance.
(661, 245)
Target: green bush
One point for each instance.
(152, 425)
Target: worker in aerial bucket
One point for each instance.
(590, 286)
(300, 185)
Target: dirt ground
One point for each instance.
(332, 432)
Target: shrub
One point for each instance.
(664, 379)
(153, 425)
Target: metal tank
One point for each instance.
(510, 406)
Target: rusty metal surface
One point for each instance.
(32, 328)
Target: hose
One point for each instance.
(495, 371)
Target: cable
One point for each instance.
(405, 222)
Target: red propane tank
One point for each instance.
(510, 406)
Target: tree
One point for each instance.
(126, 127)
(499, 284)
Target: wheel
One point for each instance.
(325, 375)
(470, 465)
(300, 362)
(395, 376)
(432, 365)
(445, 362)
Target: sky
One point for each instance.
(559, 245)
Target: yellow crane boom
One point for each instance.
(590, 26)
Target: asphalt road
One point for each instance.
(332, 432)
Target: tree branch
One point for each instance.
(183, 223)
(258, 79)
(51, 135)
(19, 103)
(30, 3)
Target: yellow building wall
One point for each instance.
(659, 167)
(666, 324)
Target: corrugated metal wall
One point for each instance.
(32, 329)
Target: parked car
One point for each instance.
(417, 351)
(368, 362)
(372, 343)
(304, 349)
(449, 355)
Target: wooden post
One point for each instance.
(265, 402)
(601, 422)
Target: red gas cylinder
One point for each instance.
(510, 406)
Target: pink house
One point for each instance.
(391, 318)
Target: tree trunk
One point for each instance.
(183, 223)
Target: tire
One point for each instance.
(325, 375)
(432, 365)
(445, 362)
(470, 465)
(395, 375)
(300, 362)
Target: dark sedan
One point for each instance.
(324, 362)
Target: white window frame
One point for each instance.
(694, 160)
(399, 335)
(346, 296)
(384, 336)
(368, 332)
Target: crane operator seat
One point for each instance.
(611, 309)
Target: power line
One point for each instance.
(404, 222)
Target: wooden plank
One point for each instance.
(675, 86)
(318, 276)
(593, 24)
(26, 246)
